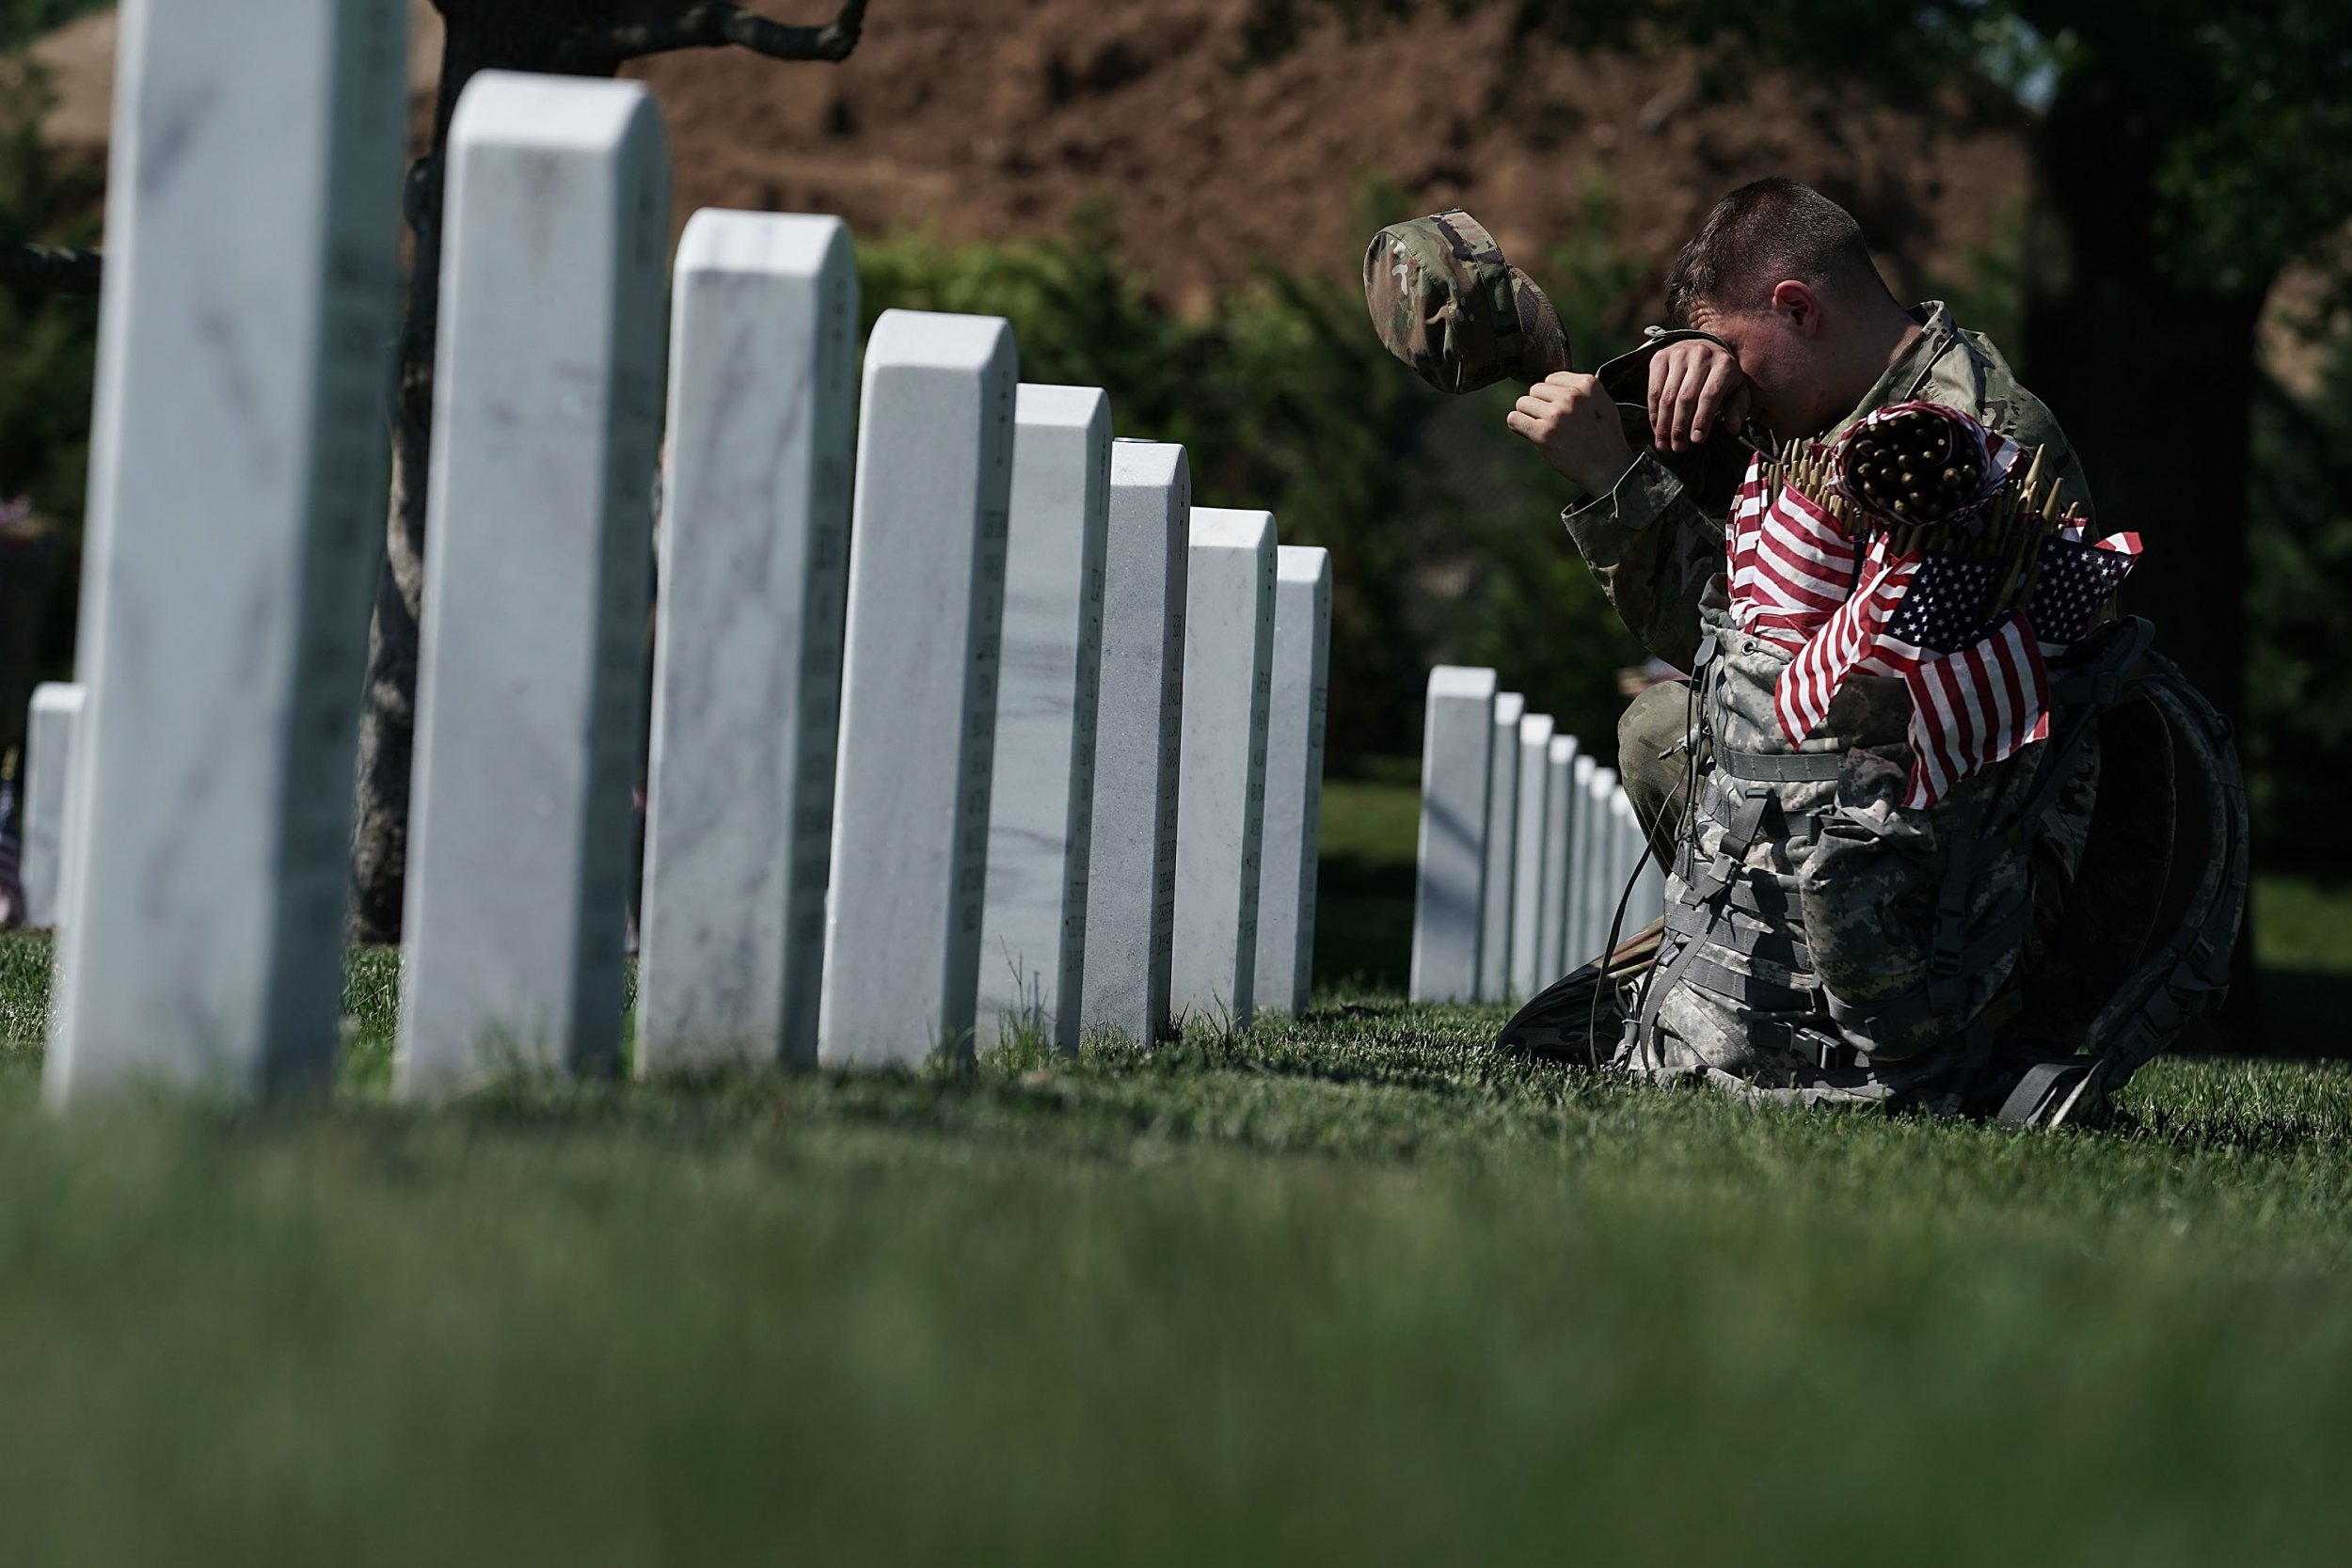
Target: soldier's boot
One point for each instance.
(2071, 1092)
(1580, 1018)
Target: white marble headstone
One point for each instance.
(1131, 874)
(52, 722)
(237, 508)
(1033, 928)
(1527, 878)
(1229, 648)
(919, 696)
(531, 675)
(1604, 883)
(1458, 759)
(747, 655)
(1582, 833)
(1559, 849)
(1580, 918)
(1294, 789)
(1647, 899)
(1503, 855)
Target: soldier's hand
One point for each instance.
(1574, 423)
(1693, 384)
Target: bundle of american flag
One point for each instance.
(1964, 607)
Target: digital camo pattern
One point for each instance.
(1445, 302)
(1656, 539)
(1856, 879)
(1860, 891)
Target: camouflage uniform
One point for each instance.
(1654, 543)
(1821, 943)
(1446, 303)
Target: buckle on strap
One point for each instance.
(1764, 1000)
(1759, 896)
(1816, 1048)
(1738, 833)
(1714, 926)
(1830, 1055)
(1949, 945)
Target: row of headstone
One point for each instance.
(980, 731)
(1530, 853)
(52, 722)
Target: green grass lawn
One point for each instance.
(1346, 1288)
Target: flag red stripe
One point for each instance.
(1975, 707)
(1811, 682)
(1794, 593)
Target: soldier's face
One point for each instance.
(1792, 377)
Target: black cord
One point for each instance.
(1683, 827)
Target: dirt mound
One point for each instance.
(79, 59)
(982, 118)
(987, 119)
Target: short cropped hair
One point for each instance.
(1764, 232)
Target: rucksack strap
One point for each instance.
(1780, 766)
(2188, 976)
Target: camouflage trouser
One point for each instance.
(1821, 938)
(1654, 761)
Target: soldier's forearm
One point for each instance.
(1653, 551)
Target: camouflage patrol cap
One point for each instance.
(1446, 303)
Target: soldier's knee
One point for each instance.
(1650, 736)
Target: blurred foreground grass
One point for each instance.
(1348, 1289)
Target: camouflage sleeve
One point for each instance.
(1981, 384)
(1654, 551)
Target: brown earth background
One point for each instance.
(987, 120)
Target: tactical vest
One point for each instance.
(2019, 949)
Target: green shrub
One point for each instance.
(2298, 744)
(1443, 528)
(48, 357)
(22, 21)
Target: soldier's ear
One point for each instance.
(1794, 302)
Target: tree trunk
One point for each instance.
(578, 38)
(483, 35)
(2153, 381)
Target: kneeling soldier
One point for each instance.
(1850, 920)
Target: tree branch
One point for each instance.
(598, 47)
(51, 267)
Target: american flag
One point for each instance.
(1747, 511)
(1973, 707)
(2076, 581)
(1943, 613)
(1853, 634)
(1999, 455)
(1978, 692)
(1799, 567)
